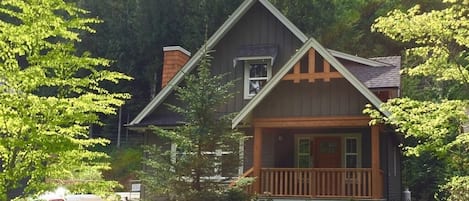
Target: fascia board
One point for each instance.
(357, 59)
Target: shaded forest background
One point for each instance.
(135, 31)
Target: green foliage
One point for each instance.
(434, 111)
(342, 25)
(457, 188)
(49, 94)
(205, 130)
(125, 164)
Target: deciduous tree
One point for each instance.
(49, 94)
(439, 55)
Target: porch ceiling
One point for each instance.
(312, 122)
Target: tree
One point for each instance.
(205, 132)
(49, 94)
(342, 25)
(437, 67)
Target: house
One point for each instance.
(301, 102)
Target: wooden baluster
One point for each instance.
(290, 181)
(271, 182)
(300, 175)
(344, 184)
(313, 183)
(369, 183)
(360, 185)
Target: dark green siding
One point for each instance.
(335, 98)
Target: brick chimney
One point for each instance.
(174, 58)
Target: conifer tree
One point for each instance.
(200, 141)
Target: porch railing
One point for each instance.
(317, 182)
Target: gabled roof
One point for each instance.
(311, 43)
(211, 42)
(329, 55)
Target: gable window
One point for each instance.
(256, 75)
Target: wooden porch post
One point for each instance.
(257, 159)
(377, 183)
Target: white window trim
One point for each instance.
(358, 154)
(247, 63)
(297, 152)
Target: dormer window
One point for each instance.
(256, 75)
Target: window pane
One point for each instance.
(351, 145)
(303, 161)
(351, 161)
(258, 70)
(303, 147)
(229, 165)
(255, 86)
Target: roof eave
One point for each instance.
(357, 59)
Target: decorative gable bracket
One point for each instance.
(313, 70)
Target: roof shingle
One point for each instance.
(377, 77)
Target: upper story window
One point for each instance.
(256, 75)
(257, 61)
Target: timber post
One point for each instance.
(257, 159)
(375, 164)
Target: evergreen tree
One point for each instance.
(205, 132)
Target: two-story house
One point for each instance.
(301, 103)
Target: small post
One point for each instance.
(406, 195)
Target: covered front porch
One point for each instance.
(332, 159)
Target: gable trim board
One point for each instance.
(311, 43)
(219, 34)
(357, 59)
(211, 42)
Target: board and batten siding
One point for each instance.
(257, 27)
(335, 98)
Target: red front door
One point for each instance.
(327, 152)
